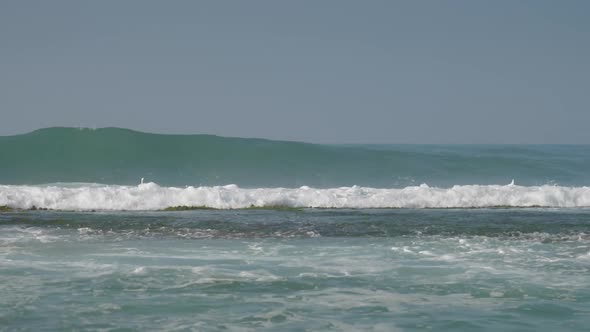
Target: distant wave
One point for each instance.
(122, 156)
(150, 196)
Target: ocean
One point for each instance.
(117, 230)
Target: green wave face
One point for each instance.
(122, 156)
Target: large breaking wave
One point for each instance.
(122, 156)
(150, 196)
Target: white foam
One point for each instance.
(150, 196)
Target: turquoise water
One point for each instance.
(386, 270)
(288, 236)
(121, 156)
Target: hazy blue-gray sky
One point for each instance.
(319, 71)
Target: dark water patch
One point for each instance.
(4, 208)
(551, 226)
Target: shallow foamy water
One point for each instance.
(386, 270)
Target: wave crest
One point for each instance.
(150, 196)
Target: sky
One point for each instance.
(317, 71)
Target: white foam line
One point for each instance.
(150, 196)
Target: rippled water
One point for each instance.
(384, 270)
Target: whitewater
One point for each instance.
(256, 235)
(150, 196)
